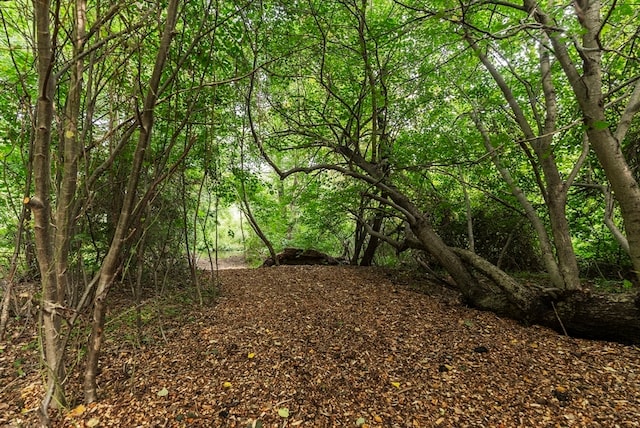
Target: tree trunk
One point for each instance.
(597, 316)
(360, 232)
(546, 248)
(111, 263)
(246, 209)
(65, 215)
(9, 280)
(564, 272)
(40, 206)
(602, 316)
(374, 242)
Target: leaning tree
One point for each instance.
(363, 107)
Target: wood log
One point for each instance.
(580, 313)
(299, 256)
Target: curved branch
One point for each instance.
(632, 108)
(393, 205)
(583, 157)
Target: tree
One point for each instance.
(333, 107)
(111, 263)
(75, 143)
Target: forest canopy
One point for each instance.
(493, 144)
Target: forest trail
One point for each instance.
(235, 261)
(318, 346)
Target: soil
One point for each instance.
(320, 346)
(232, 262)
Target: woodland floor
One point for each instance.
(315, 346)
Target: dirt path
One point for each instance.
(316, 346)
(232, 262)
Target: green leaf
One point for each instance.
(283, 412)
(361, 421)
(163, 392)
(625, 9)
(627, 284)
(601, 124)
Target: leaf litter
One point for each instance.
(319, 346)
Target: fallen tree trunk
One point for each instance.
(579, 313)
(298, 256)
(603, 316)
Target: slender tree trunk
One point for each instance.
(69, 158)
(557, 188)
(246, 209)
(111, 263)
(374, 242)
(467, 205)
(546, 247)
(360, 232)
(13, 266)
(40, 206)
(553, 189)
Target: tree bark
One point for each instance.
(372, 245)
(579, 313)
(65, 215)
(40, 206)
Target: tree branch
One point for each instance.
(633, 106)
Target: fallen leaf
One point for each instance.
(77, 411)
(251, 355)
(352, 379)
(396, 384)
(227, 384)
(93, 422)
(163, 392)
(283, 412)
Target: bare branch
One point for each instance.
(633, 106)
(393, 205)
(583, 157)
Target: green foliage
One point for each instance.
(330, 73)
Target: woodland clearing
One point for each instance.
(320, 346)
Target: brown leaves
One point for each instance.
(344, 347)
